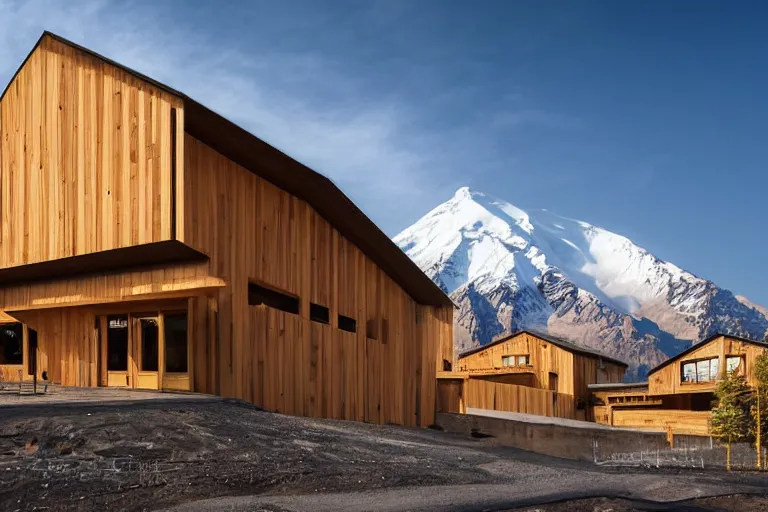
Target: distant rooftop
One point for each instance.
(564, 344)
(761, 343)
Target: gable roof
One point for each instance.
(564, 344)
(281, 170)
(701, 344)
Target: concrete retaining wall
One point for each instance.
(570, 442)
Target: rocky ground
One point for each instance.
(212, 454)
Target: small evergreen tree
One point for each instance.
(730, 416)
(760, 405)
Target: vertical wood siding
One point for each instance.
(67, 344)
(575, 371)
(85, 158)
(254, 231)
(85, 166)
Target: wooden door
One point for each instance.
(553, 388)
(174, 372)
(117, 354)
(147, 352)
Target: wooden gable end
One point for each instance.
(669, 379)
(85, 158)
(544, 358)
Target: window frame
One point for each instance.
(18, 329)
(696, 362)
(346, 323)
(515, 358)
(260, 294)
(741, 369)
(319, 314)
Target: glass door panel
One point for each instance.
(147, 335)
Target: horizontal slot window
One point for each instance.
(258, 295)
(347, 324)
(521, 360)
(319, 314)
(371, 330)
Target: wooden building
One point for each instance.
(147, 242)
(530, 373)
(678, 396)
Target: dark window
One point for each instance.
(371, 331)
(258, 295)
(175, 328)
(117, 343)
(32, 346)
(447, 366)
(150, 342)
(320, 314)
(347, 324)
(11, 344)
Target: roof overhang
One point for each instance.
(187, 288)
(565, 345)
(5, 318)
(157, 253)
(320, 192)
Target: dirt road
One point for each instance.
(220, 455)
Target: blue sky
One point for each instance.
(647, 118)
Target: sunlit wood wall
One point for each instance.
(256, 232)
(85, 158)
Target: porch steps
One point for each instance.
(26, 388)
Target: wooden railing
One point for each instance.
(662, 420)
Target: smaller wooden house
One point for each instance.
(531, 373)
(679, 393)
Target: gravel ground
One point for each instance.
(224, 455)
(719, 504)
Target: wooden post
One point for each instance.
(757, 441)
(161, 350)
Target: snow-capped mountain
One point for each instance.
(507, 269)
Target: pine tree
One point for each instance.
(730, 416)
(760, 405)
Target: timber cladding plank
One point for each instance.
(106, 288)
(85, 157)
(255, 232)
(67, 344)
(483, 394)
(679, 422)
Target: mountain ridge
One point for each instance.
(508, 269)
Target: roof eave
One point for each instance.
(396, 263)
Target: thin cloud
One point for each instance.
(375, 147)
(355, 145)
